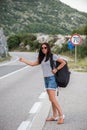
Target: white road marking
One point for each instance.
(35, 107)
(13, 72)
(27, 124)
(34, 110)
(10, 62)
(24, 125)
(43, 95)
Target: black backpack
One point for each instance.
(63, 75)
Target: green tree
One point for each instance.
(13, 42)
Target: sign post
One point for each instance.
(76, 40)
(75, 54)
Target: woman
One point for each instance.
(49, 78)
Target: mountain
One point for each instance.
(34, 16)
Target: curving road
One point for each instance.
(20, 86)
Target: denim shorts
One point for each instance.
(50, 82)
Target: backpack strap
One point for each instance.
(52, 64)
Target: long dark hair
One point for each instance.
(41, 55)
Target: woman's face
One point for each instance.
(44, 49)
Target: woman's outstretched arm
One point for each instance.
(29, 62)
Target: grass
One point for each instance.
(80, 65)
(8, 58)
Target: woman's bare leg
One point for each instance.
(52, 98)
(55, 112)
(56, 106)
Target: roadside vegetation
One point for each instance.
(7, 58)
(28, 42)
(23, 42)
(81, 64)
(44, 16)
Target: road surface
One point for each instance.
(20, 87)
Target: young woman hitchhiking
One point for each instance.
(49, 78)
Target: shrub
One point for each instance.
(13, 42)
(28, 39)
(82, 50)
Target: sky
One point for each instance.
(80, 5)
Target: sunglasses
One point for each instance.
(43, 48)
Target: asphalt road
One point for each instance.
(73, 100)
(18, 91)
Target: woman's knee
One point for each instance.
(52, 99)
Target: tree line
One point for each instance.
(20, 41)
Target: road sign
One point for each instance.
(76, 39)
(70, 45)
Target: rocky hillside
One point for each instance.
(33, 16)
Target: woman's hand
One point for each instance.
(54, 71)
(21, 59)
